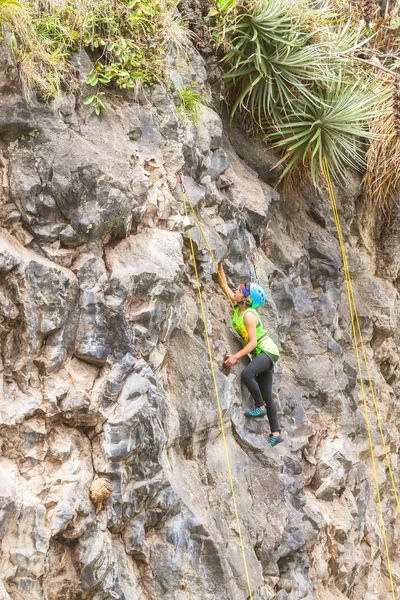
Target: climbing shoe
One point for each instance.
(257, 412)
(273, 440)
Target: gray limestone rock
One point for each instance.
(325, 260)
(135, 265)
(218, 163)
(44, 295)
(257, 155)
(69, 237)
(105, 368)
(210, 134)
(94, 339)
(195, 192)
(15, 118)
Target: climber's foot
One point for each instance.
(257, 412)
(273, 440)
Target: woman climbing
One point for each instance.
(257, 376)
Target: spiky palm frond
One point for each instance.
(268, 59)
(295, 78)
(269, 20)
(344, 40)
(267, 82)
(331, 129)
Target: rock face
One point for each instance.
(105, 374)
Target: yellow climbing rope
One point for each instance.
(355, 321)
(185, 199)
(347, 274)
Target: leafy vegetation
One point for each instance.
(268, 59)
(331, 125)
(126, 40)
(5, 4)
(294, 73)
(96, 101)
(189, 108)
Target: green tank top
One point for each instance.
(264, 342)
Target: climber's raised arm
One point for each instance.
(223, 282)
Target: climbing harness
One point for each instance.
(186, 200)
(355, 322)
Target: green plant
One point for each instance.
(5, 4)
(54, 29)
(330, 128)
(133, 41)
(129, 39)
(126, 39)
(189, 109)
(224, 7)
(269, 58)
(96, 101)
(42, 57)
(290, 70)
(177, 30)
(9, 3)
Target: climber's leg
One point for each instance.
(265, 385)
(258, 365)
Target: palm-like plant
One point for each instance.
(268, 59)
(269, 79)
(268, 19)
(294, 78)
(334, 128)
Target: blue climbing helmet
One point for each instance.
(255, 293)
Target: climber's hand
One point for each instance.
(230, 360)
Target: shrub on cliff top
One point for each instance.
(126, 39)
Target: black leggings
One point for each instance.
(257, 377)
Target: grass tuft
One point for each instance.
(189, 109)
